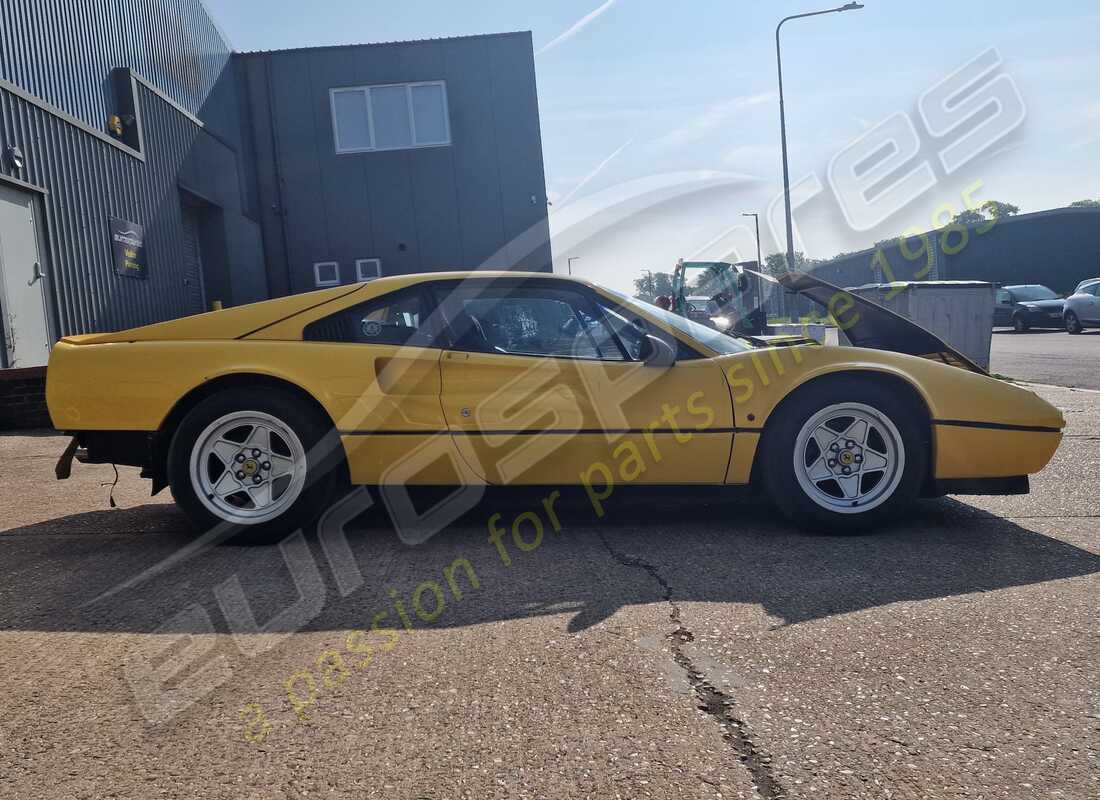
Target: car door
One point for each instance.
(374, 366)
(1090, 304)
(1002, 310)
(538, 389)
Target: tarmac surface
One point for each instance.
(1048, 356)
(687, 645)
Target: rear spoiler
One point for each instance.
(867, 324)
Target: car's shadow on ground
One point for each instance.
(706, 545)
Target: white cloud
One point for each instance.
(577, 27)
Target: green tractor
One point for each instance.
(724, 296)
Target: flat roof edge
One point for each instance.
(435, 40)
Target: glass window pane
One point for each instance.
(393, 320)
(430, 113)
(532, 322)
(390, 107)
(352, 130)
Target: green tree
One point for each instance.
(1085, 204)
(652, 285)
(989, 210)
(994, 209)
(972, 216)
(776, 263)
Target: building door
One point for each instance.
(22, 281)
(192, 259)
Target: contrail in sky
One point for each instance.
(593, 173)
(577, 27)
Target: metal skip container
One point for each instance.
(959, 312)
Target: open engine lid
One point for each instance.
(870, 325)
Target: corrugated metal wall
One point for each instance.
(63, 51)
(1058, 248)
(89, 180)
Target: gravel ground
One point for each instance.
(689, 645)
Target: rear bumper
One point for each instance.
(1045, 319)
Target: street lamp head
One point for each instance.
(851, 7)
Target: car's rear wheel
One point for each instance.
(260, 462)
(1019, 323)
(845, 455)
(1073, 324)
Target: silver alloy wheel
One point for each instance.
(849, 458)
(248, 467)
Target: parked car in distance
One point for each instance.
(1026, 307)
(1083, 307)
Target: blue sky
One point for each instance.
(642, 98)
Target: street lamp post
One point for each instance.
(783, 121)
(755, 216)
(569, 263)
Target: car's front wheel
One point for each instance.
(1073, 324)
(845, 455)
(261, 462)
(1020, 324)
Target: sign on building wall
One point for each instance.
(128, 247)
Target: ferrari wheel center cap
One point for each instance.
(250, 467)
(846, 458)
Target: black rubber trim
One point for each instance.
(995, 426)
(583, 431)
(991, 487)
(267, 325)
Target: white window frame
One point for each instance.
(361, 262)
(317, 273)
(366, 92)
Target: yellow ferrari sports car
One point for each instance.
(253, 415)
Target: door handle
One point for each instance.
(36, 275)
(453, 355)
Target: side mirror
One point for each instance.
(742, 282)
(656, 352)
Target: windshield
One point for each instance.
(1025, 294)
(721, 343)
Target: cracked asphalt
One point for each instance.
(690, 644)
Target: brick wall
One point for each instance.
(23, 399)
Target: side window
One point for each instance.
(558, 323)
(1094, 289)
(1003, 296)
(632, 333)
(394, 319)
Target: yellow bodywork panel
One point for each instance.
(963, 452)
(430, 416)
(231, 323)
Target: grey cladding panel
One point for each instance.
(473, 134)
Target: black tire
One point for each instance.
(1020, 323)
(782, 433)
(325, 464)
(1073, 325)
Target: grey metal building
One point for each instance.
(397, 158)
(146, 170)
(1059, 247)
